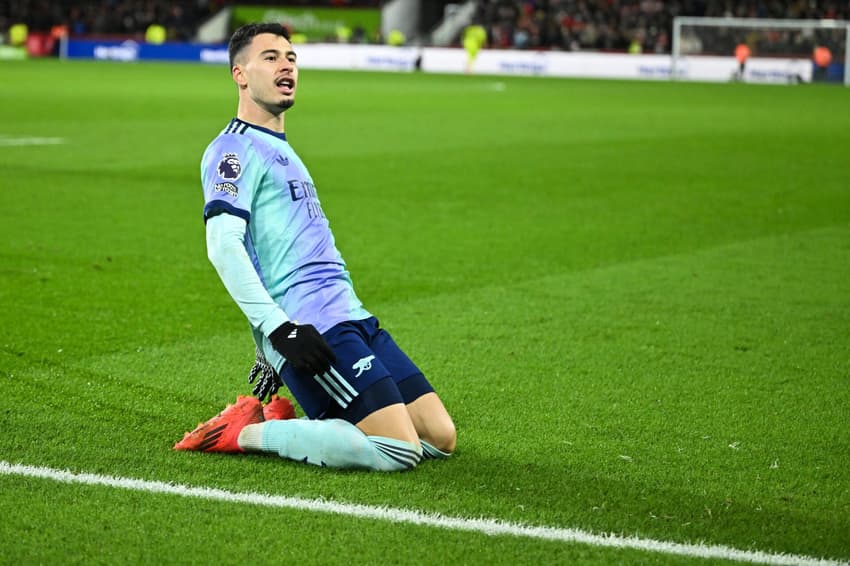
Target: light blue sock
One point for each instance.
(336, 443)
(431, 452)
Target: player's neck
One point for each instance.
(253, 114)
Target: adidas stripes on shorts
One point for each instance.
(371, 372)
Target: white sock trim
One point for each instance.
(251, 437)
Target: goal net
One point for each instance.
(760, 50)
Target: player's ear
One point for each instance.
(239, 76)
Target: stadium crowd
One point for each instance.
(109, 17)
(602, 25)
(130, 17)
(623, 25)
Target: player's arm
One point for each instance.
(226, 251)
(300, 344)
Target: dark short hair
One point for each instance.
(243, 36)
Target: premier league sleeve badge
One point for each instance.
(229, 167)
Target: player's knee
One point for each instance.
(443, 435)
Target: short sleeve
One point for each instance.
(230, 173)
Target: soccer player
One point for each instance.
(368, 405)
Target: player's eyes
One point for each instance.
(270, 58)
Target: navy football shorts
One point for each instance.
(370, 373)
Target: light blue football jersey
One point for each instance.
(254, 173)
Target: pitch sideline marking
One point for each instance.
(490, 527)
(11, 141)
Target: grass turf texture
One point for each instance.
(632, 296)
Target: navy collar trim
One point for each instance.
(238, 126)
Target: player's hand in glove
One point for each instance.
(303, 347)
(268, 381)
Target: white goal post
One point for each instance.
(773, 41)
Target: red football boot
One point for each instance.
(279, 408)
(219, 434)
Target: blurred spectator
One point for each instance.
(822, 57)
(396, 38)
(742, 54)
(343, 34)
(156, 34)
(474, 38)
(18, 34)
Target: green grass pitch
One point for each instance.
(633, 297)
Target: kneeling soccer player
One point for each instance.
(368, 405)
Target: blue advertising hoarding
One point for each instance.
(129, 50)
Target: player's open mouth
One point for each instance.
(285, 85)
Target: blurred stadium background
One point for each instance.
(548, 28)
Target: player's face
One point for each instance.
(268, 72)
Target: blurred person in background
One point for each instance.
(822, 57)
(474, 38)
(742, 55)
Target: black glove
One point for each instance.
(269, 381)
(303, 347)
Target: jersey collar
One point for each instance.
(240, 125)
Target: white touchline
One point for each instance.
(491, 527)
(10, 141)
